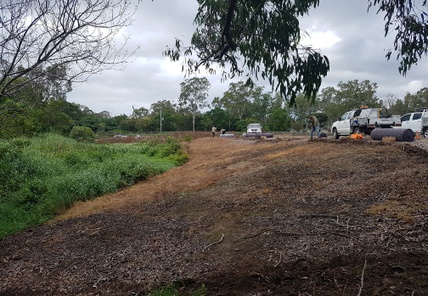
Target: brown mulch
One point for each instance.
(285, 216)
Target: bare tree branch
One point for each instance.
(79, 36)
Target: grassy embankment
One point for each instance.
(41, 177)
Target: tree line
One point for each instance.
(31, 112)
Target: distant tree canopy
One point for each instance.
(416, 101)
(347, 96)
(233, 111)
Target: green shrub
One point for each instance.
(187, 138)
(17, 119)
(82, 133)
(15, 168)
(43, 176)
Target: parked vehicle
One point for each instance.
(255, 130)
(362, 120)
(416, 121)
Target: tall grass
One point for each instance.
(41, 177)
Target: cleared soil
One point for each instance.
(285, 216)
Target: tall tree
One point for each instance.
(235, 101)
(139, 112)
(391, 105)
(41, 39)
(163, 115)
(416, 101)
(302, 109)
(216, 117)
(399, 108)
(237, 98)
(264, 104)
(266, 34)
(347, 96)
(353, 94)
(260, 102)
(280, 120)
(329, 103)
(194, 94)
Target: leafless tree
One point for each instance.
(38, 37)
(389, 100)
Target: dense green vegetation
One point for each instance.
(42, 176)
(239, 106)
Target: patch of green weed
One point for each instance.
(45, 175)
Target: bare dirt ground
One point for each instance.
(272, 217)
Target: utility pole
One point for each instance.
(160, 120)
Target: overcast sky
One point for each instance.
(352, 38)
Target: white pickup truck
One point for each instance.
(362, 120)
(416, 121)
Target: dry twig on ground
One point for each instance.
(214, 243)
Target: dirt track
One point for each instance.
(281, 217)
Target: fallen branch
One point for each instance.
(318, 216)
(214, 243)
(95, 285)
(279, 261)
(276, 232)
(343, 225)
(254, 235)
(267, 232)
(362, 278)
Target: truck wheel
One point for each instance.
(335, 134)
(357, 130)
(425, 133)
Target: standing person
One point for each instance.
(314, 125)
(213, 129)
